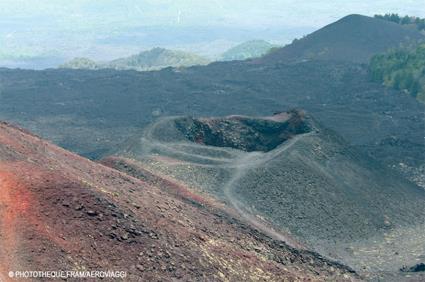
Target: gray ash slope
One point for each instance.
(313, 186)
(366, 37)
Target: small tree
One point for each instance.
(406, 20)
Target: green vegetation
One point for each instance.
(402, 69)
(80, 63)
(154, 59)
(406, 20)
(248, 50)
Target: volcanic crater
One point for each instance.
(245, 133)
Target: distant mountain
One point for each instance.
(354, 38)
(81, 63)
(154, 59)
(247, 50)
(157, 58)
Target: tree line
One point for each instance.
(402, 69)
(406, 20)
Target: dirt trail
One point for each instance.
(149, 142)
(240, 162)
(242, 166)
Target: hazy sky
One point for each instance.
(37, 29)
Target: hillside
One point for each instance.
(247, 50)
(157, 58)
(61, 211)
(81, 63)
(154, 59)
(354, 38)
(309, 184)
(402, 69)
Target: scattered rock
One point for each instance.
(92, 213)
(140, 267)
(420, 267)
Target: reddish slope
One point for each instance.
(59, 211)
(13, 205)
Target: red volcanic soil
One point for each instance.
(172, 186)
(12, 206)
(59, 211)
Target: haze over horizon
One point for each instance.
(40, 34)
